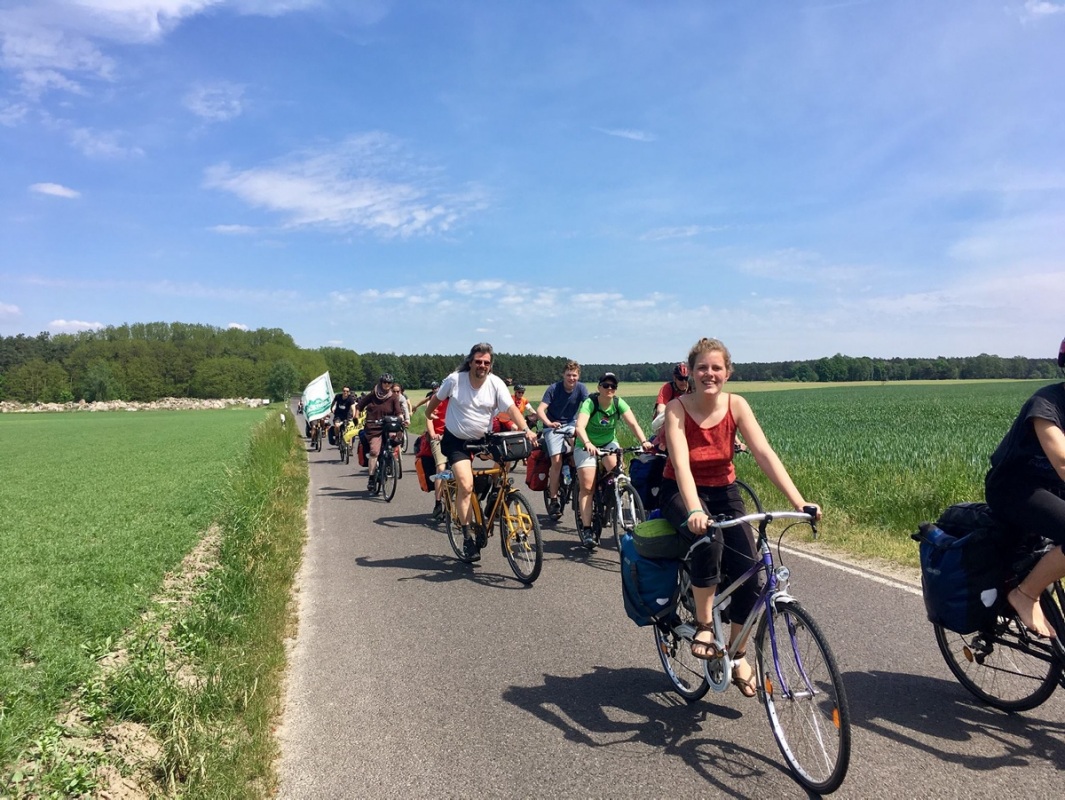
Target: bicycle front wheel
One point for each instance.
(673, 640)
(387, 472)
(451, 523)
(520, 537)
(1007, 668)
(628, 512)
(804, 697)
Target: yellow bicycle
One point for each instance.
(495, 497)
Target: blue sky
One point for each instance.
(607, 181)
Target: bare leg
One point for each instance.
(1025, 598)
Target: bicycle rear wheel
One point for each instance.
(804, 697)
(1007, 668)
(387, 476)
(673, 640)
(520, 537)
(631, 510)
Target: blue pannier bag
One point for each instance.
(963, 567)
(649, 587)
(646, 476)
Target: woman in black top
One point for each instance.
(1025, 487)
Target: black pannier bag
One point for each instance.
(963, 567)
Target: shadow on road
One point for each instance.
(939, 716)
(444, 569)
(608, 707)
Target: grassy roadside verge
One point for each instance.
(184, 703)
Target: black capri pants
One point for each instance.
(730, 552)
(1028, 510)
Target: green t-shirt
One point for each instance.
(601, 424)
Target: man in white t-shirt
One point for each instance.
(476, 397)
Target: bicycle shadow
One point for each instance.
(606, 707)
(443, 569)
(929, 714)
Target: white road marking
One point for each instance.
(906, 587)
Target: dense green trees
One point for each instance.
(146, 361)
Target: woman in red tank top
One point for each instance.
(700, 480)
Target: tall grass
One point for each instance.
(96, 508)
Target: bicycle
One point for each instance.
(615, 500)
(567, 476)
(795, 672)
(1004, 664)
(519, 530)
(317, 432)
(389, 467)
(342, 444)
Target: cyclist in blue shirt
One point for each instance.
(558, 412)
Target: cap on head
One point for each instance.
(680, 371)
(608, 377)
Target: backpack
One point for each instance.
(650, 588)
(594, 397)
(536, 469)
(963, 567)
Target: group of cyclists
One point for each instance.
(699, 426)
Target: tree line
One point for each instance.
(147, 361)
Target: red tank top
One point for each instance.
(710, 451)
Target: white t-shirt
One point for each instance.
(470, 412)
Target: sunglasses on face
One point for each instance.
(613, 386)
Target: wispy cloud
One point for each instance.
(12, 114)
(72, 325)
(216, 102)
(55, 190)
(366, 182)
(9, 311)
(233, 230)
(679, 232)
(1036, 9)
(628, 133)
(102, 144)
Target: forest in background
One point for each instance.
(148, 361)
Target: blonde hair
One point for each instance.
(572, 365)
(705, 345)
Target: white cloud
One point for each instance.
(1034, 9)
(12, 114)
(366, 182)
(625, 133)
(55, 190)
(216, 102)
(99, 144)
(679, 232)
(7, 310)
(231, 230)
(72, 325)
(238, 325)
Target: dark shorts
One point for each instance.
(1028, 510)
(454, 449)
(725, 556)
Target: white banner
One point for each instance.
(318, 397)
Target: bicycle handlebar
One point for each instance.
(808, 514)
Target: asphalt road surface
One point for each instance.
(414, 675)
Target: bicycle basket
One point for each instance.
(391, 424)
(510, 446)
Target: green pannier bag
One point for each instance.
(656, 538)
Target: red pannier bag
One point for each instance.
(536, 468)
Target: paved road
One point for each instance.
(415, 675)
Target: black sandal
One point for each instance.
(710, 650)
(748, 687)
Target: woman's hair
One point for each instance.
(480, 347)
(705, 345)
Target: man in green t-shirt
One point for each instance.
(597, 420)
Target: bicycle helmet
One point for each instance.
(680, 371)
(519, 387)
(1061, 354)
(434, 385)
(386, 378)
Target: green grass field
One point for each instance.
(96, 509)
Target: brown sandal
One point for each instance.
(708, 650)
(747, 687)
